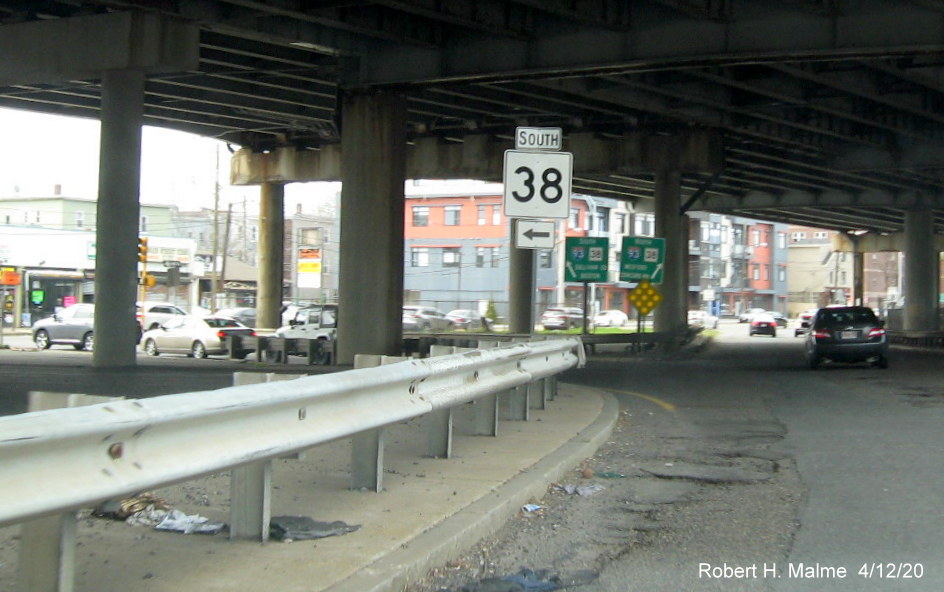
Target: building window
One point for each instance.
(482, 215)
(144, 224)
(496, 215)
(574, 218)
(603, 219)
(621, 223)
(782, 274)
(453, 215)
(486, 257)
(755, 238)
(80, 219)
(782, 240)
(420, 216)
(419, 257)
(755, 272)
(451, 257)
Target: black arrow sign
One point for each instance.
(531, 234)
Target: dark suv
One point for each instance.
(846, 334)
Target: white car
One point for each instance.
(152, 315)
(610, 318)
(194, 336)
(700, 318)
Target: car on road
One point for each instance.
(763, 324)
(152, 315)
(469, 320)
(802, 323)
(194, 336)
(610, 318)
(244, 314)
(562, 317)
(747, 315)
(781, 318)
(847, 334)
(425, 318)
(701, 318)
(73, 326)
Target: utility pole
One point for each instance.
(216, 233)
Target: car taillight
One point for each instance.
(821, 334)
(221, 334)
(252, 333)
(876, 332)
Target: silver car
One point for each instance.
(194, 336)
(72, 325)
(425, 318)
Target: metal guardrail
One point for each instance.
(66, 459)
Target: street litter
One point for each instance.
(298, 528)
(531, 507)
(176, 521)
(584, 490)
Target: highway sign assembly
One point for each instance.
(537, 176)
(642, 258)
(586, 259)
(534, 234)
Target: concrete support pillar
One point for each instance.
(670, 314)
(119, 181)
(520, 289)
(858, 274)
(373, 170)
(921, 272)
(271, 255)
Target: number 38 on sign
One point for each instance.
(537, 184)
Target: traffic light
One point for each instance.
(142, 248)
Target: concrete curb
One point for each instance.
(485, 516)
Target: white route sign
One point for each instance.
(539, 138)
(537, 184)
(534, 234)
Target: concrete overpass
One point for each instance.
(815, 112)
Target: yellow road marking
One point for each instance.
(664, 404)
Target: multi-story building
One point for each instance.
(818, 275)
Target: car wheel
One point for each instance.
(774, 334)
(881, 362)
(198, 350)
(150, 348)
(88, 341)
(41, 339)
(814, 362)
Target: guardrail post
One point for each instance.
(486, 408)
(439, 434)
(47, 554)
(367, 447)
(550, 388)
(536, 396)
(47, 544)
(518, 403)
(250, 509)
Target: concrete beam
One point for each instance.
(53, 51)
(480, 156)
(875, 243)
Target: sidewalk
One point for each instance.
(429, 511)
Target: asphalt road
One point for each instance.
(857, 457)
(746, 470)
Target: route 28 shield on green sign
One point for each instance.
(586, 259)
(642, 258)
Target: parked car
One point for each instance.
(802, 323)
(610, 318)
(194, 336)
(469, 320)
(154, 314)
(73, 326)
(747, 315)
(562, 318)
(846, 334)
(243, 314)
(425, 318)
(763, 324)
(314, 322)
(701, 318)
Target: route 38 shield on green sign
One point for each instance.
(586, 259)
(642, 258)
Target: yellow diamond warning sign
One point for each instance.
(645, 297)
